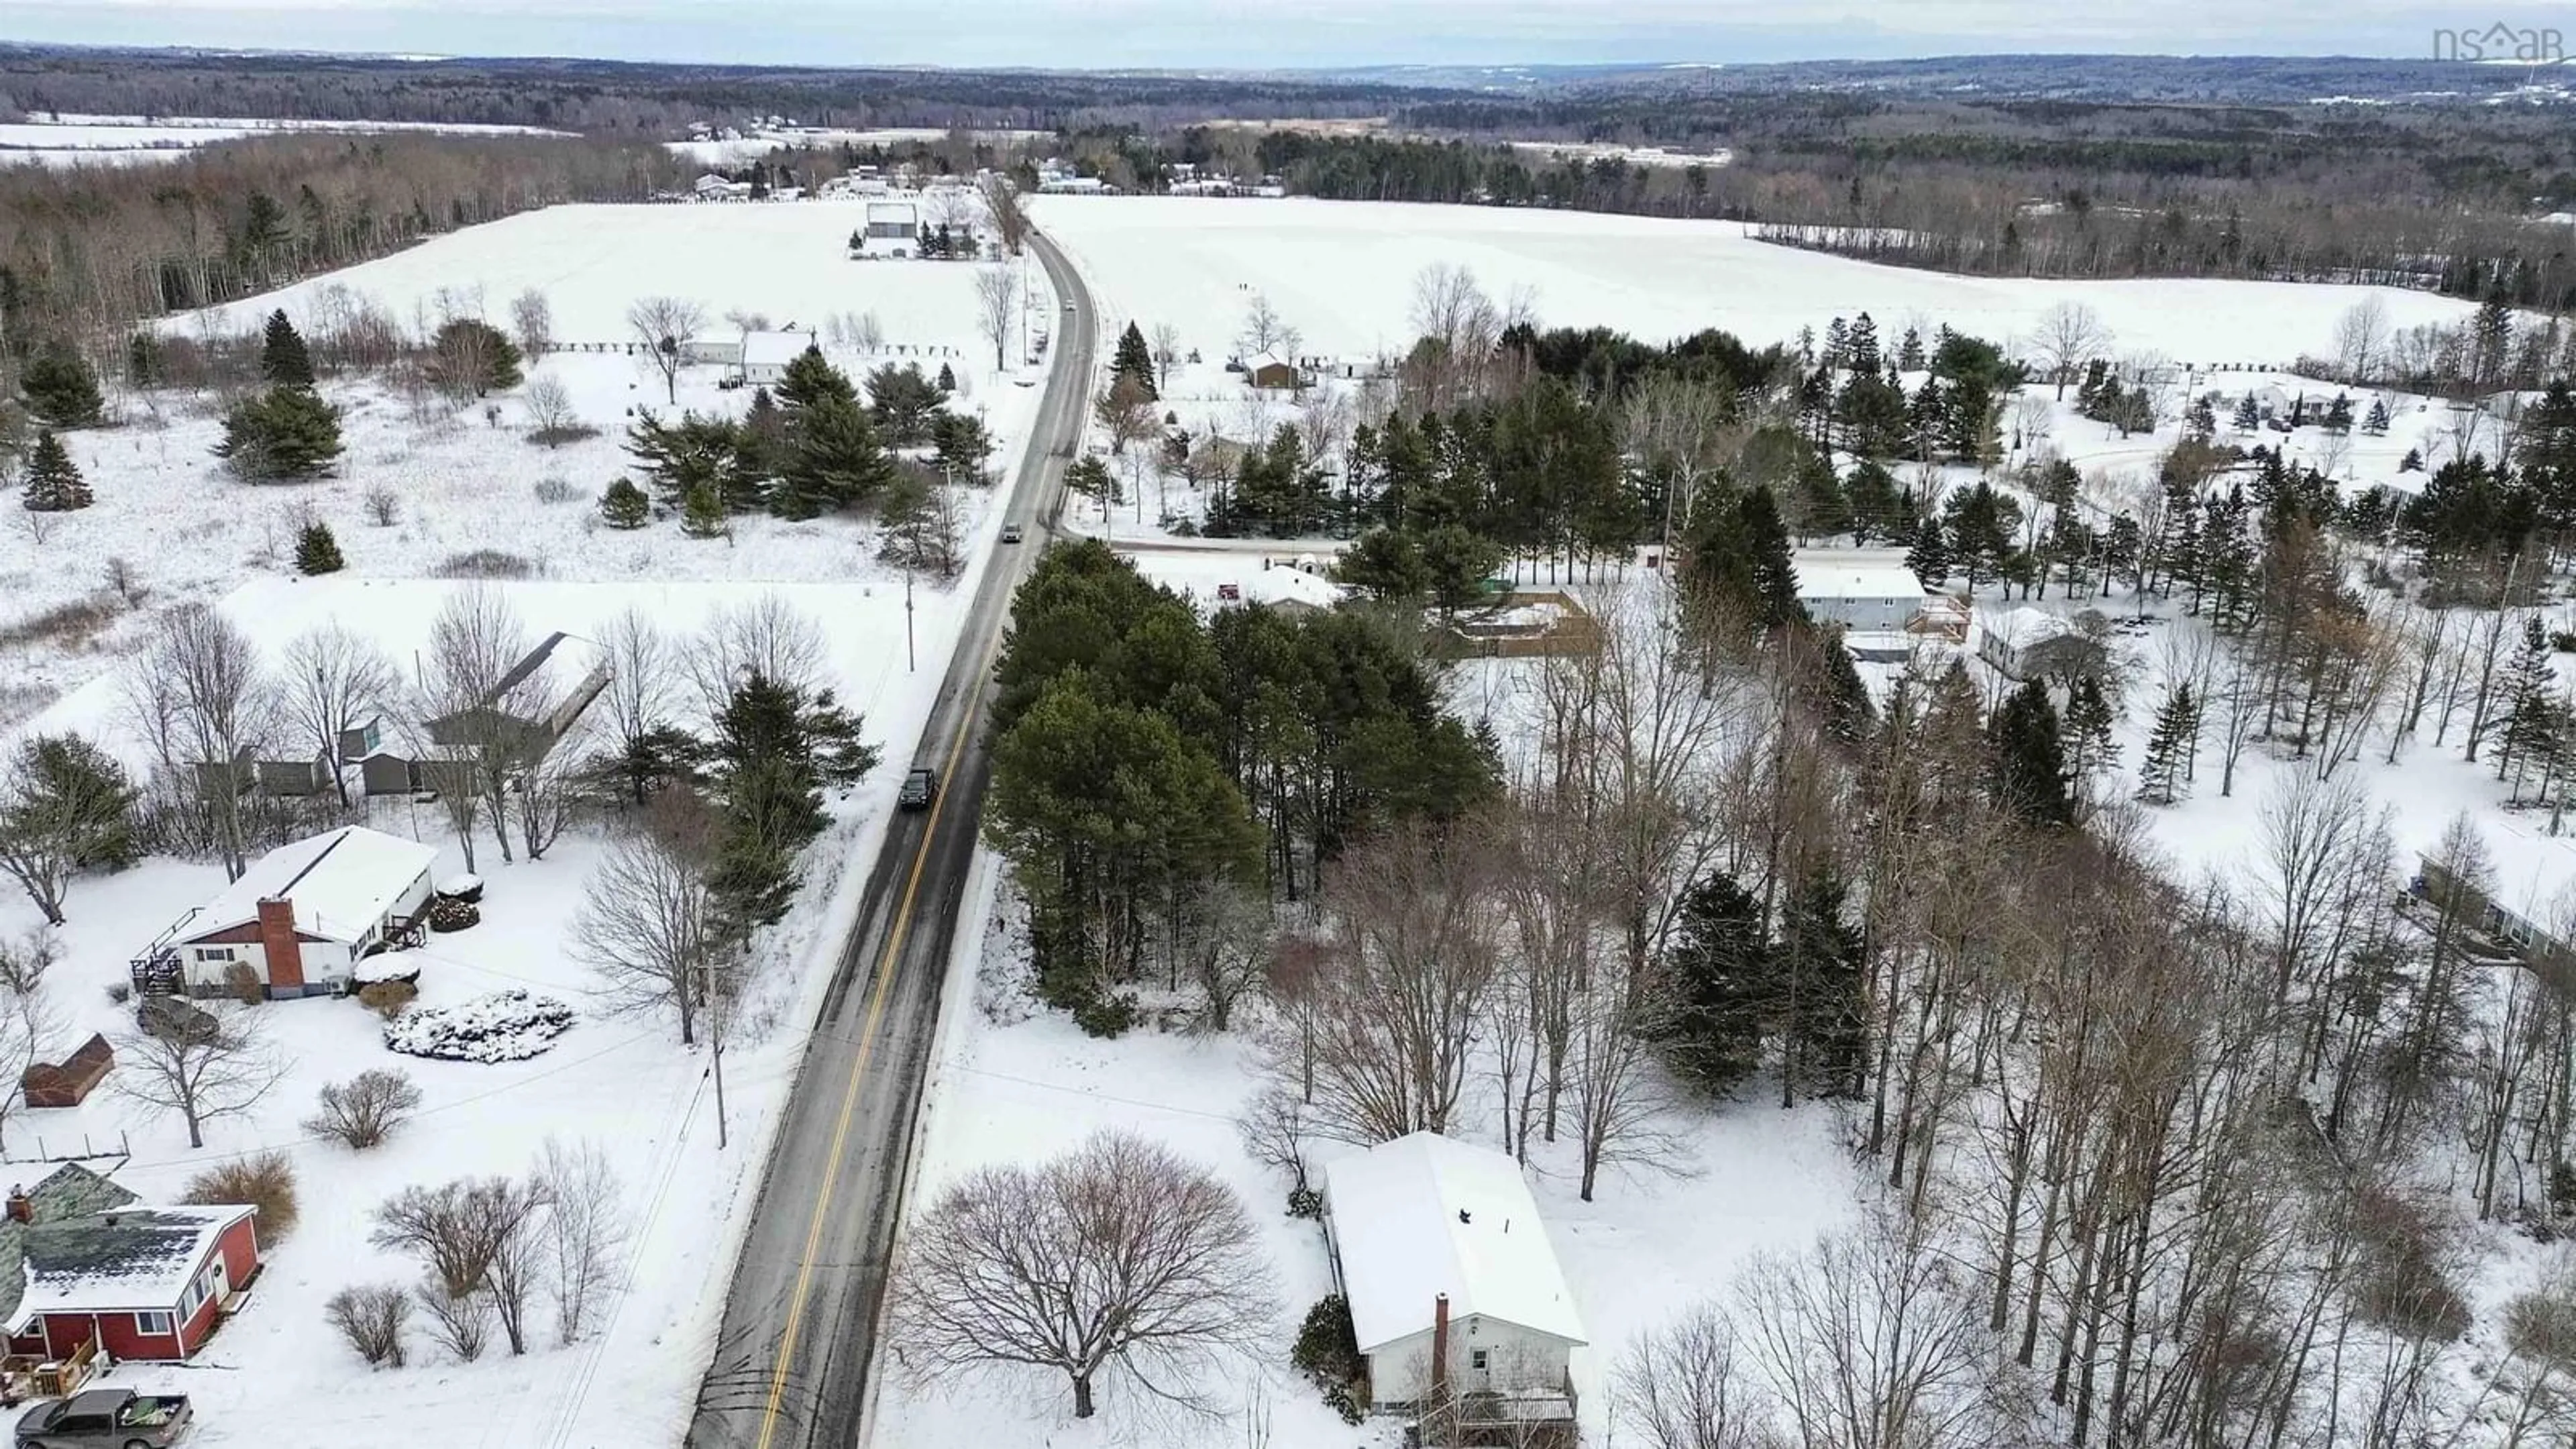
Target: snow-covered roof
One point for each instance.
(774, 349)
(1260, 360)
(135, 1259)
(1426, 1215)
(1834, 574)
(2024, 626)
(340, 883)
(903, 211)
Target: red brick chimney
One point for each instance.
(1440, 1350)
(278, 941)
(22, 1208)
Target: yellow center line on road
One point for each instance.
(896, 933)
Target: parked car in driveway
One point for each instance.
(105, 1419)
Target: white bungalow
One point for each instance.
(1455, 1294)
(300, 918)
(1869, 591)
(765, 355)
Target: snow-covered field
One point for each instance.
(786, 261)
(1343, 274)
(735, 150)
(462, 483)
(73, 140)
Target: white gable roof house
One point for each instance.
(299, 919)
(1455, 1294)
(2026, 643)
(765, 355)
(1870, 590)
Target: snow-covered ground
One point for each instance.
(735, 150)
(620, 1082)
(1014, 1084)
(1343, 274)
(72, 140)
(460, 483)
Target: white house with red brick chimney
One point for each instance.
(302, 916)
(1455, 1294)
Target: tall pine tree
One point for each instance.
(1134, 359)
(54, 482)
(2026, 759)
(1725, 975)
(2167, 765)
(283, 360)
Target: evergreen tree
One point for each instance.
(1928, 557)
(316, 551)
(1909, 352)
(2490, 340)
(1739, 566)
(283, 360)
(947, 380)
(678, 457)
(1825, 957)
(1839, 696)
(143, 358)
(904, 404)
(2375, 422)
(60, 388)
(760, 449)
(2089, 719)
(1979, 523)
(1725, 974)
(1134, 359)
(1863, 345)
(810, 380)
(702, 513)
(54, 482)
(2338, 418)
(2248, 416)
(624, 505)
(2201, 417)
(287, 432)
(2026, 759)
(2413, 462)
(963, 446)
(2169, 747)
(1877, 507)
(2527, 728)
(834, 462)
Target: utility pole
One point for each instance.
(715, 1036)
(910, 663)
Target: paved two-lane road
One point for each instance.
(793, 1358)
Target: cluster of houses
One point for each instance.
(1184, 178)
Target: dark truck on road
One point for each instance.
(105, 1419)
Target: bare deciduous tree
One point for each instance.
(1864, 1342)
(204, 1068)
(1167, 353)
(479, 1240)
(769, 637)
(1117, 1258)
(29, 1016)
(2360, 337)
(2068, 336)
(1399, 996)
(551, 418)
(1002, 203)
(532, 322)
(664, 327)
(371, 1320)
(997, 305)
(336, 683)
(648, 922)
(462, 1325)
(642, 687)
(586, 1231)
(1686, 1385)
(1273, 1131)
(363, 1111)
(1264, 330)
(199, 698)
(470, 723)
(548, 792)
(1222, 939)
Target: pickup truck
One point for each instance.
(105, 1419)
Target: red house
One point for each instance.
(143, 1282)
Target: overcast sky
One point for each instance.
(1261, 33)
